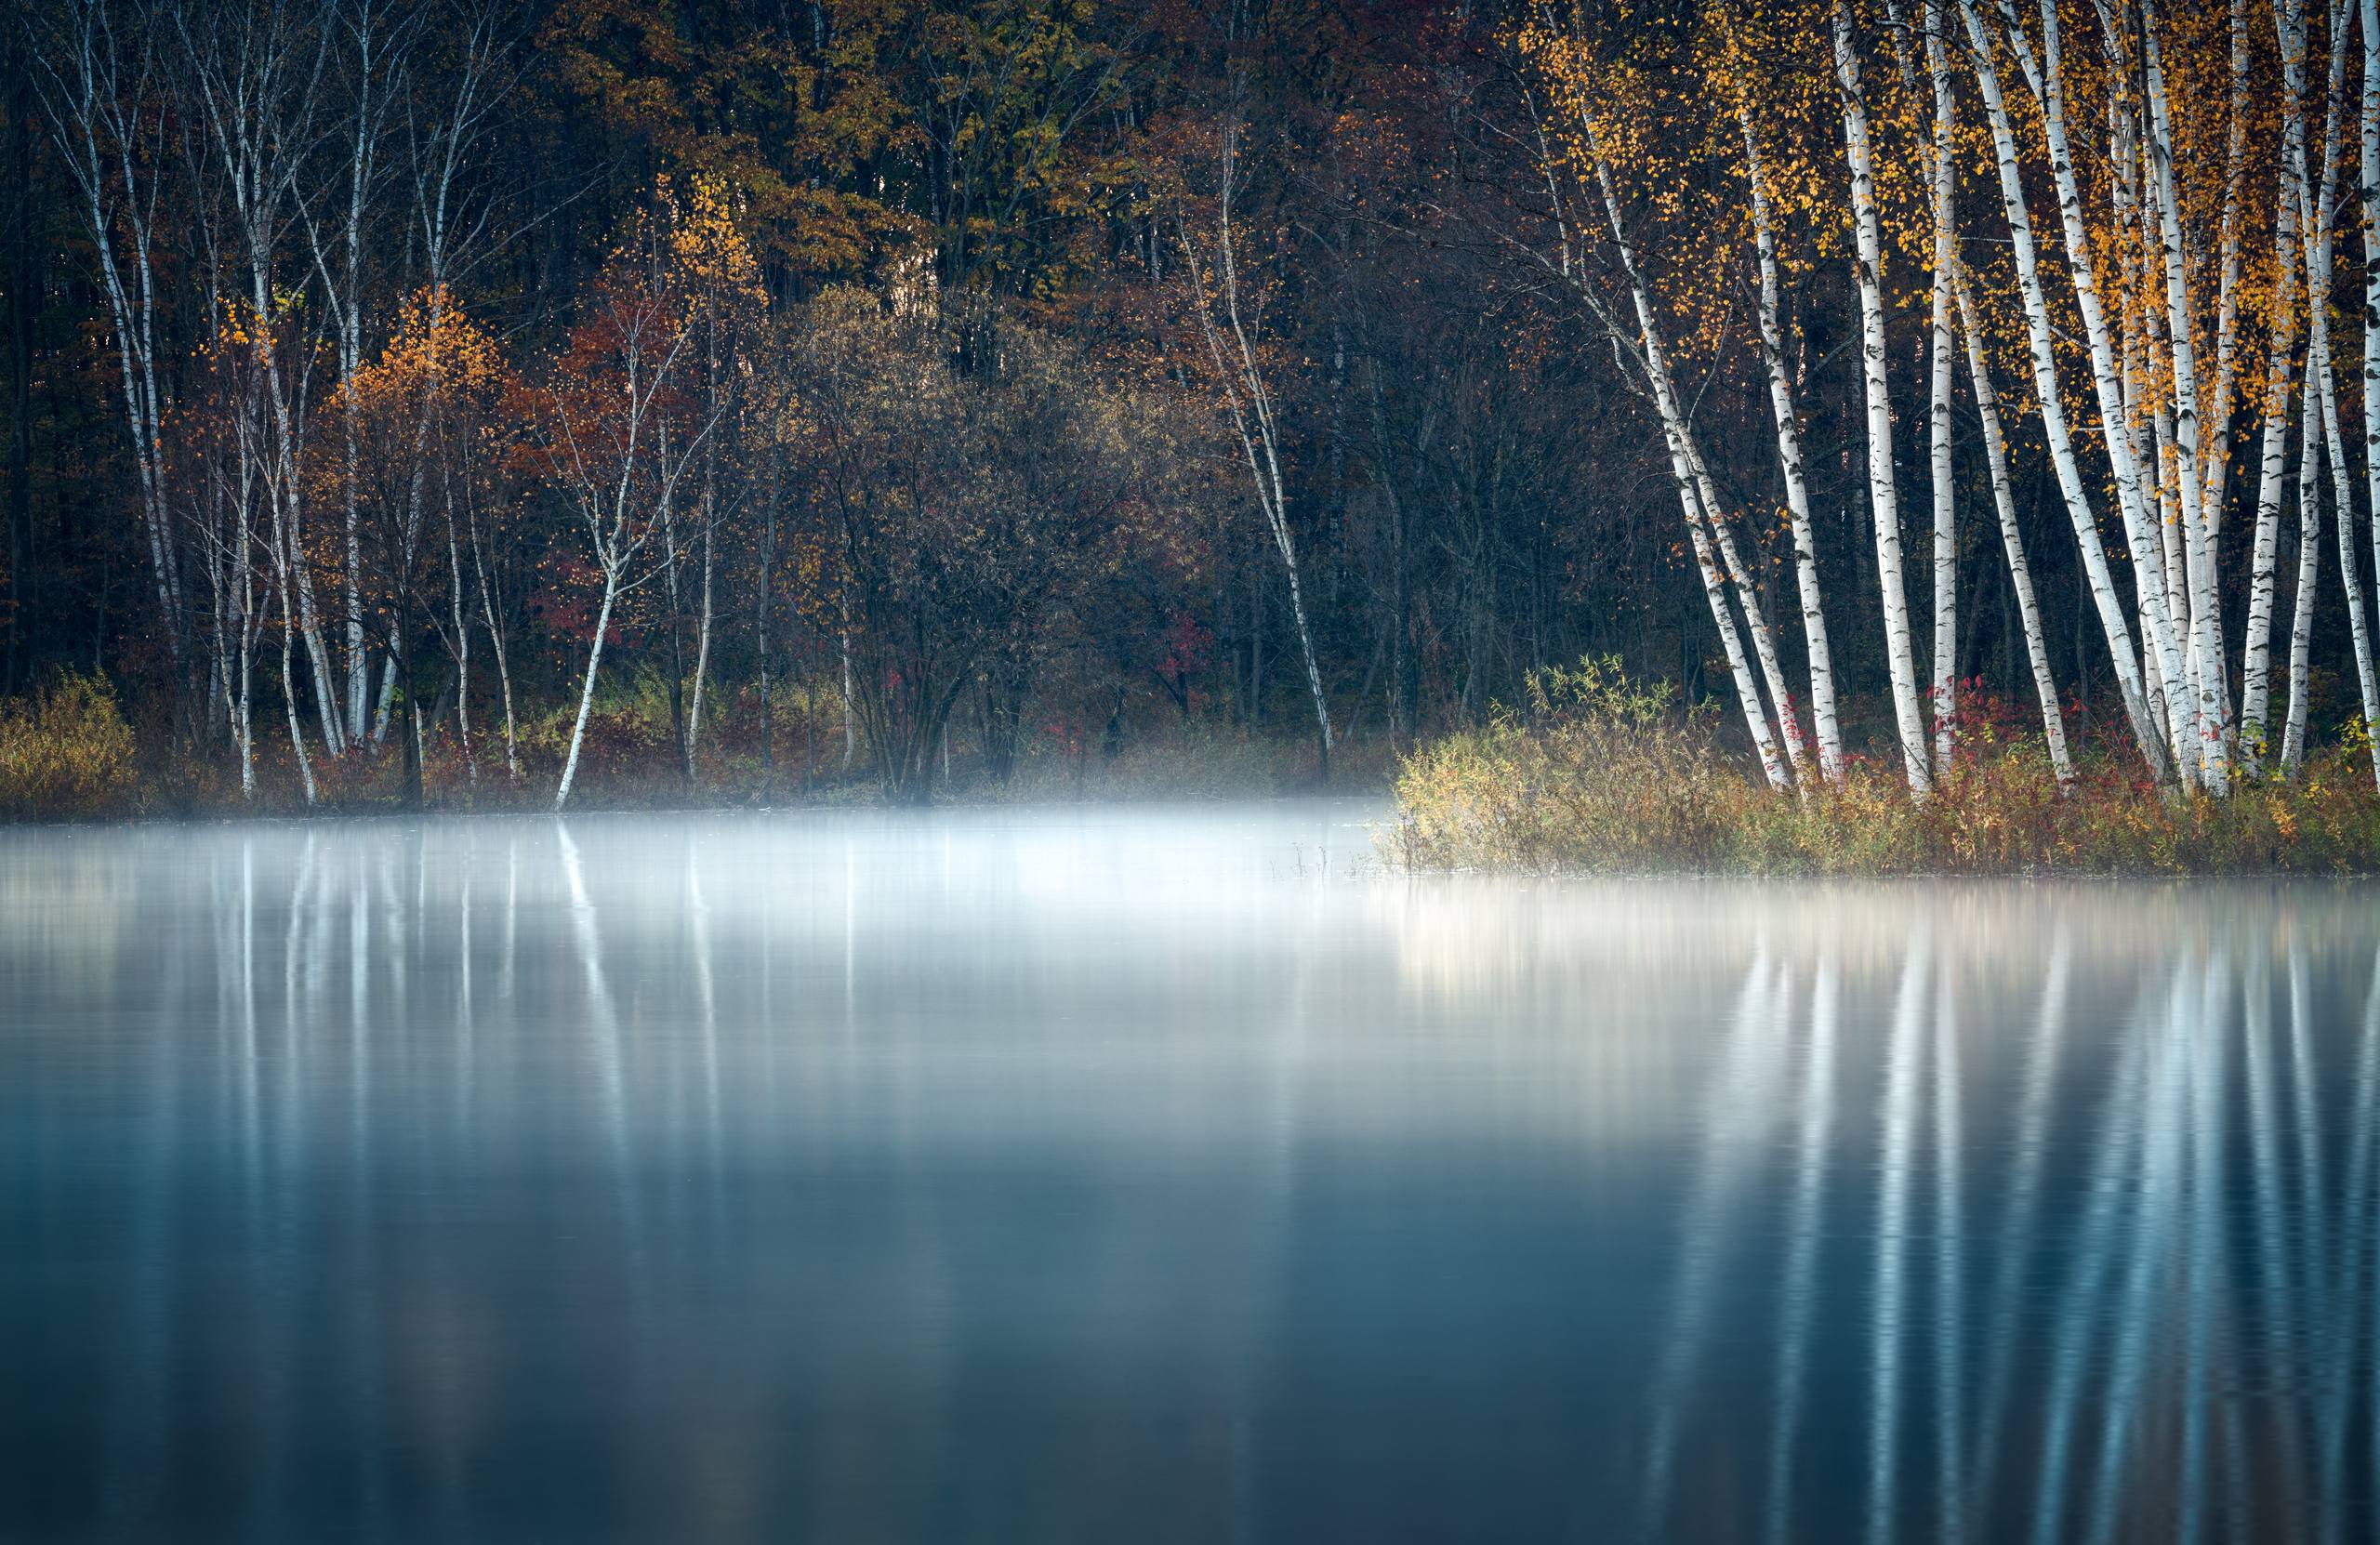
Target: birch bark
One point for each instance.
(1676, 435)
(1789, 456)
(1250, 404)
(1945, 515)
(2310, 574)
(2369, 167)
(1883, 492)
(2044, 75)
(2112, 622)
(2322, 378)
(2206, 645)
(2020, 575)
(2255, 671)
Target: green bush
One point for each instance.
(66, 751)
(1609, 776)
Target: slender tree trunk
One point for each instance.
(289, 698)
(2045, 76)
(2216, 450)
(586, 690)
(1883, 496)
(2207, 644)
(2112, 622)
(410, 753)
(459, 619)
(496, 648)
(760, 636)
(677, 641)
(851, 735)
(248, 609)
(1747, 587)
(385, 702)
(2351, 575)
(1788, 456)
(2369, 167)
(702, 646)
(2309, 212)
(2255, 673)
(2309, 576)
(1249, 401)
(1944, 349)
(2020, 575)
(1691, 483)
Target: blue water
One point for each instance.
(1175, 1174)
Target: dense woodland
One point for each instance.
(504, 397)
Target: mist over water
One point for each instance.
(1164, 1174)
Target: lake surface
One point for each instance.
(1163, 1174)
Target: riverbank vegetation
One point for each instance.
(1601, 775)
(509, 402)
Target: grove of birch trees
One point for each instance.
(2153, 346)
(487, 397)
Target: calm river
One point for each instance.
(1163, 1174)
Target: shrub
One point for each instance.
(1607, 774)
(66, 751)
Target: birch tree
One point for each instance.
(2042, 337)
(2004, 498)
(605, 420)
(1941, 189)
(1789, 457)
(99, 71)
(369, 39)
(1642, 346)
(1883, 496)
(2369, 167)
(2044, 74)
(2255, 673)
(2206, 672)
(1230, 328)
(255, 73)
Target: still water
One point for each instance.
(1146, 1175)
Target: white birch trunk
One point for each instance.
(850, 731)
(2256, 672)
(2351, 575)
(702, 640)
(1714, 591)
(1789, 456)
(1943, 352)
(1883, 494)
(459, 618)
(1250, 404)
(2112, 622)
(97, 77)
(2216, 473)
(1747, 587)
(2370, 166)
(1678, 435)
(503, 657)
(2020, 573)
(2045, 76)
(2207, 643)
(289, 696)
(2310, 574)
(587, 690)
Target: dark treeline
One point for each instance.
(509, 395)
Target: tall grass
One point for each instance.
(1606, 775)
